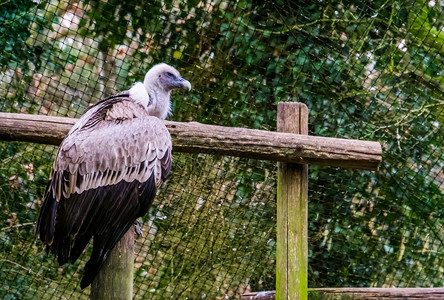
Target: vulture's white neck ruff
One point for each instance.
(154, 92)
(139, 94)
(154, 99)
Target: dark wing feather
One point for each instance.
(46, 221)
(104, 177)
(106, 239)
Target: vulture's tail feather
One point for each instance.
(95, 262)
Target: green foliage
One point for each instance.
(15, 19)
(17, 54)
(367, 70)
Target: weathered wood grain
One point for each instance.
(360, 294)
(292, 208)
(195, 137)
(115, 278)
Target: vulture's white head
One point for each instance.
(154, 92)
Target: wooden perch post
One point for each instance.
(292, 207)
(115, 278)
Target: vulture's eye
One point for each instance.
(169, 74)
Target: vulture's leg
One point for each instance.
(138, 228)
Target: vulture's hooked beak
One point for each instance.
(184, 84)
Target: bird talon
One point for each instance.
(138, 228)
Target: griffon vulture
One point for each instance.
(108, 169)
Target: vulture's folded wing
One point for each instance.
(104, 177)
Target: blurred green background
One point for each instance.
(369, 70)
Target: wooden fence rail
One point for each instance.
(195, 137)
(360, 294)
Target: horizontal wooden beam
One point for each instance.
(360, 294)
(195, 137)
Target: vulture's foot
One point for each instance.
(138, 228)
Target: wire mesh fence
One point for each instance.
(369, 70)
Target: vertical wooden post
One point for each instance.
(292, 207)
(115, 279)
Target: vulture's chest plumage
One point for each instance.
(104, 177)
